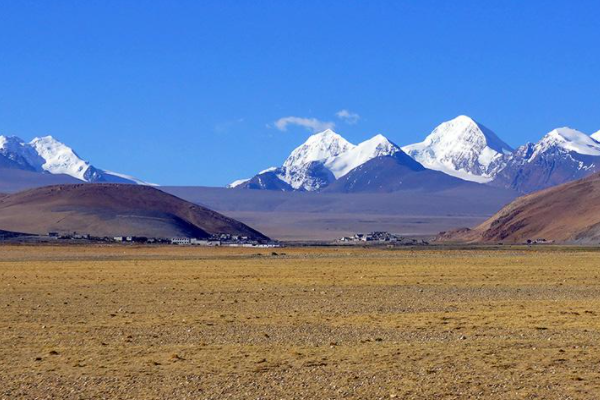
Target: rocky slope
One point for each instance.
(394, 173)
(569, 213)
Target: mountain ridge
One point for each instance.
(562, 155)
(462, 148)
(321, 160)
(46, 155)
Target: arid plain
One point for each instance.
(121, 322)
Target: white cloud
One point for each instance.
(347, 116)
(312, 124)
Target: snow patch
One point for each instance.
(270, 169)
(237, 183)
(129, 178)
(59, 158)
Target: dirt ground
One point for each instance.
(122, 322)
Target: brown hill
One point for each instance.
(569, 213)
(113, 210)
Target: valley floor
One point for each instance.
(90, 322)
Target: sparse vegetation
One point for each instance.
(89, 322)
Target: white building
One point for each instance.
(180, 241)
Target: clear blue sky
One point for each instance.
(187, 92)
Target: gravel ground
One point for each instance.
(121, 322)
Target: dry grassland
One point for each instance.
(315, 323)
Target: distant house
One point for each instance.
(205, 242)
(181, 241)
(118, 238)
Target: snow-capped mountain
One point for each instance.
(48, 155)
(562, 155)
(60, 159)
(302, 170)
(17, 154)
(570, 140)
(322, 159)
(462, 148)
(392, 173)
(318, 147)
(377, 146)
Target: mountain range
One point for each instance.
(456, 152)
(328, 162)
(44, 157)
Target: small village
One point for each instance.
(223, 239)
(380, 238)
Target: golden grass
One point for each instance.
(313, 323)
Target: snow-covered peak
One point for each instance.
(48, 155)
(17, 150)
(569, 139)
(59, 158)
(318, 147)
(379, 143)
(462, 148)
(464, 130)
(377, 146)
(596, 136)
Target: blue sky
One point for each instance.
(188, 92)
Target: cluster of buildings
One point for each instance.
(115, 239)
(539, 241)
(215, 240)
(379, 237)
(223, 239)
